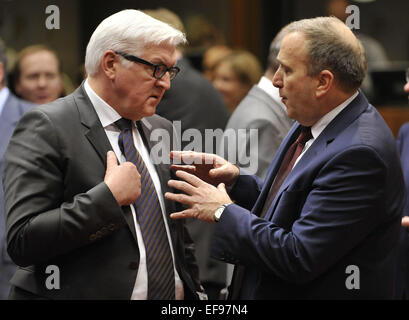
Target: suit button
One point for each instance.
(133, 265)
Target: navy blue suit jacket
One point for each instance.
(402, 287)
(340, 206)
(12, 111)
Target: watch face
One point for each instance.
(218, 213)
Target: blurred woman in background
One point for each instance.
(234, 76)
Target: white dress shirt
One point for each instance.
(266, 85)
(107, 115)
(321, 124)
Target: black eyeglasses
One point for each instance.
(159, 70)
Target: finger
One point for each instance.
(181, 198)
(182, 186)
(184, 167)
(222, 187)
(182, 214)
(111, 160)
(189, 157)
(405, 221)
(190, 178)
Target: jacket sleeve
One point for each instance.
(346, 198)
(40, 224)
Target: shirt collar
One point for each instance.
(321, 124)
(4, 94)
(266, 85)
(106, 114)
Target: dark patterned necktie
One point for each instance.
(287, 165)
(159, 263)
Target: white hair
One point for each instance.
(129, 31)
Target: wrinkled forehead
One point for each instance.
(293, 47)
(163, 52)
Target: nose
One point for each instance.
(164, 82)
(42, 81)
(277, 79)
(406, 87)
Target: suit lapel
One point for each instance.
(95, 133)
(337, 125)
(93, 129)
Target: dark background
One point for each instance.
(249, 24)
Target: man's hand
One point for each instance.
(405, 221)
(208, 167)
(123, 180)
(202, 198)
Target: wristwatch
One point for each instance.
(219, 211)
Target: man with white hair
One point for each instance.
(80, 225)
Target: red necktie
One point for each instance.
(286, 166)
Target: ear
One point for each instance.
(108, 65)
(2, 74)
(325, 81)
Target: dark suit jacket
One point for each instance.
(12, 111)
(198, 105)
(340, 206)
(402, 284)
(60, 212)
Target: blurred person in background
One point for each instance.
(260, 113)
(211, 57)
(11, 109)
(235, 74)
(402, 282)
(37, 75)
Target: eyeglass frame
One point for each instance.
(173, 71)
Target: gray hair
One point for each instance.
(3, 60)
(128, 31)
(275, 45)
(328, 50)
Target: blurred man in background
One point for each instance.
(37, 75)
(11, 109)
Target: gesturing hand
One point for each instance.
(202, 198)
(208, 167)
(123, 180)
(405, 221)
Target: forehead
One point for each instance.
(40, 60)
(162, 53)
(293, 49)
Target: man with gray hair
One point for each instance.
(259, 123)
(11, 109)
(325, 222)
(80, 225)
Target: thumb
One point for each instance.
(112, 162)
(405, 221)
(222, 187)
